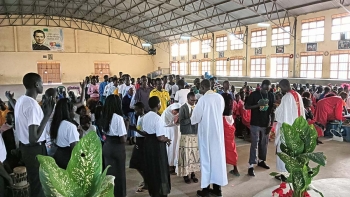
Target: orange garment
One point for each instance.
(329, 109)
(230, 144)
(3, 116)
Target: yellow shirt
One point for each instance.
(163, 97)
(116, 92)
(3, 116)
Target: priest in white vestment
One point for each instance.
(291, 107)
(170, 120)
(208, 115)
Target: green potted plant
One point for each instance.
(83, 176)
(298, 143)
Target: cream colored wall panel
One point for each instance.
(24, 37)
(69, 40)
(161, 59)
(7, 39)
(118, 46)
(74, 66)
(92, 43)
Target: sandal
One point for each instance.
(194, 179)
(139, 190)
(187, 180)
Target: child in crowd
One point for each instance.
(85, 126)
(129, 114)
(137, 158)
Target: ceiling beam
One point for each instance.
(254, 16)
(217, 15)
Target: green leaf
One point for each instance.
(310, 140)
(274, 173)
(107, 187)
(85, 165)
(318, 158)
(286, 150)
(301, 125)
(314, 171)
(98, 184)
(56, 181)
(300, 179)
(291, 138)
(318, 192)
(290, 162)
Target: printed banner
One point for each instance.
(47, 39)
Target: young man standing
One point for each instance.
(142, 94)
(291, 107)
(181, 94)
(123, 90)
(30, 121)
(102, 87)
(261, 104)
(208, 115)
(161, 94)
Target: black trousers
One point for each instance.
(157, 175)
(114, 155)
(3, 184)
(30, 161)
(62, 156)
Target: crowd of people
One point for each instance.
(176, 128)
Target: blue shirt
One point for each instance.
(102, 87)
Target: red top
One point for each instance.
(329, 109)
(137, 86)
(245, 114)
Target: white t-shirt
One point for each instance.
(117, 126)
(91, 128)
(139, 126)
(123, 90)
(181, 96)
(174, 89)
(153, 124)
(3, 152)
(47, 131)
(67, 134)
(27, 112)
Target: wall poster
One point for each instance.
(47, 39)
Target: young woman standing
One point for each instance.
(113, 151)
(63, 132)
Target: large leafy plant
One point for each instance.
(298, 141)
(83, 176)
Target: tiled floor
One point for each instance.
(338, 164)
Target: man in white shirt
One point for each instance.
(291, 107)
(123, 90)
(208, 115)
(109, 89)
(30, 121)
(181, 94)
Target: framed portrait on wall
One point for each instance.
(311, 47)
(280, 49)
(344, 44)
(258, 51)
(221, 54)
(47, 39)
